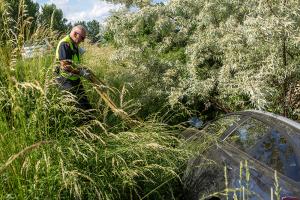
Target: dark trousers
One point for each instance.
(76, 88)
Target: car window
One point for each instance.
(247, 134)
(219, 126)
(268, 145)
(276, 152)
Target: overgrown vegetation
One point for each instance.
(51, 149)
(166, 62)
(212, 55)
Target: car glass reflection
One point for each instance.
(276, 152)
(219, 126)
(247, 134)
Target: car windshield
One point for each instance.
(276, 151)
(219, 126)
(213, 130)
(268, 145)
(247, 134)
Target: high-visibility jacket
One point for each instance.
(75, 58)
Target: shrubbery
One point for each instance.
(229, 55)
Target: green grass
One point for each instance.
(50, 150)
(47, 153)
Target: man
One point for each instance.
(68, 72)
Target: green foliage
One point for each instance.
(226, 55)
(94, 30)
(20, 21)
(32, 11)
(83, 23)
(17, 19)
(53, 17)
(128, 3)
(229, 55)
(51, 149)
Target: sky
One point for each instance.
(84, 10)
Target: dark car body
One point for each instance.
(252, 145)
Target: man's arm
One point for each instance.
(65, 58)
(66, 63)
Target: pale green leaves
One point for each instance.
(243, 54)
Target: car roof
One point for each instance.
(270, 117)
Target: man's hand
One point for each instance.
(84, 72)
(67, 66)
(103, 88)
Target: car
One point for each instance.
(244, 155)
(31, 50)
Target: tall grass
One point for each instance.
(86, 161)
(49, 149)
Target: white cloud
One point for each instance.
(83, 10)
(98, 11)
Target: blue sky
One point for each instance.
(79, 10)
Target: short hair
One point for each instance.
(79, 27)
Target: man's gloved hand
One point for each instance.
(103, 88)
(84, 72)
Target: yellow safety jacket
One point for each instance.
(75, 58)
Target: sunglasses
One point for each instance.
(82, 37)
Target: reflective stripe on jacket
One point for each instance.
(75, 58)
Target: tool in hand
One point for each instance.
(102, 89)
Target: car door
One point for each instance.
(266, 149)
(202, 174)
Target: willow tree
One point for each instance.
(230, 55)
(134, 3)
